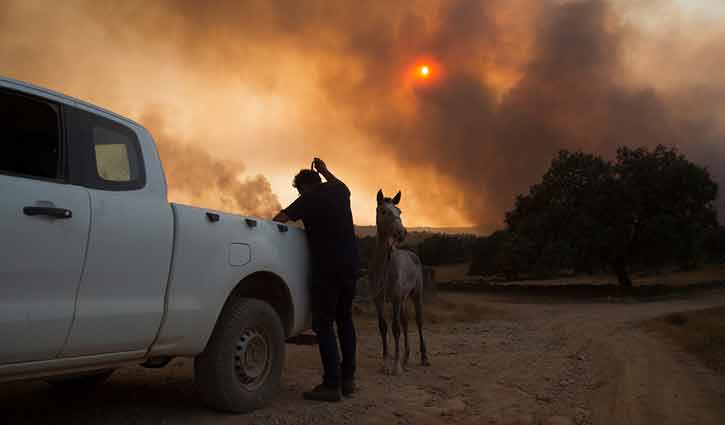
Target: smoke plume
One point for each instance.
(274, 83)
(193, 174)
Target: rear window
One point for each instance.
(110, 152)
(113, 160)
(31, 140)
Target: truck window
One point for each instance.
(110, 152)
(30, 137)
(112, 156)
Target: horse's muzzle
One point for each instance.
(400, 234)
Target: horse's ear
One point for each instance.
(396, 199)
(381, 198)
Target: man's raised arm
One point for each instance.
(321, 168)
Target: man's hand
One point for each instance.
(320, 166)
(281, 217)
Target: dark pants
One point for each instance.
(332, 297)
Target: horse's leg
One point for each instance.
(419, 320)
(383, 327)
(404, 322)
(398, 370)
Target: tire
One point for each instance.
(241, 368)
(85, 382)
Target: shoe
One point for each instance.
(348, 388)
(323, 393)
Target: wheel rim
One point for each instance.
(252, 359)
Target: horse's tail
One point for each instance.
(428, 289)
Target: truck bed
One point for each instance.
(233, 248)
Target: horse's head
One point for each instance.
(388, 221)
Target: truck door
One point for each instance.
(121, 299)
(43, 231)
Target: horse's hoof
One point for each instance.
(387, 368)
(425, 363)
(398, 370)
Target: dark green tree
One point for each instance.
(441, 249)
(486, 249)
(647, 207)
(714, 245)
(667, 208)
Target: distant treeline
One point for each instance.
(501, 254)
(506, 254)
(434, 250)
(644, 210)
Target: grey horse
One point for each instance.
(395, 275)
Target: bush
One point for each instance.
(442, 249)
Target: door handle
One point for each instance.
(48, 211)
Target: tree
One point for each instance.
(646, 207)
(486, 250)
(666, 206)
(559, 216)
(441, 249)
(714, 245)
(502, 252)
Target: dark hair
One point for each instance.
(306, 177)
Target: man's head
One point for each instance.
(306, 180)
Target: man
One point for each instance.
(324, 208)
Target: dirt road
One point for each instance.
(515, 362)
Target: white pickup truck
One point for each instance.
(98, 270)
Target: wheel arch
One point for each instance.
(270, 288)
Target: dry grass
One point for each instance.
(451, 272)
(701, 333)
(445, 309)
(707, 273)
(449, 310)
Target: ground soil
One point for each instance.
(496, 360)
(699, 332)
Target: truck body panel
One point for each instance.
(121, 297)
(196, 296)
(40, 267)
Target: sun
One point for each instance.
(424, 71)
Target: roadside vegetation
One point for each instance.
(700, 333)
(642, 217)
(449, 309)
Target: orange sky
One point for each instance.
(263, 86)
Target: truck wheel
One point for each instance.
(241, 368)
(85, 382)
